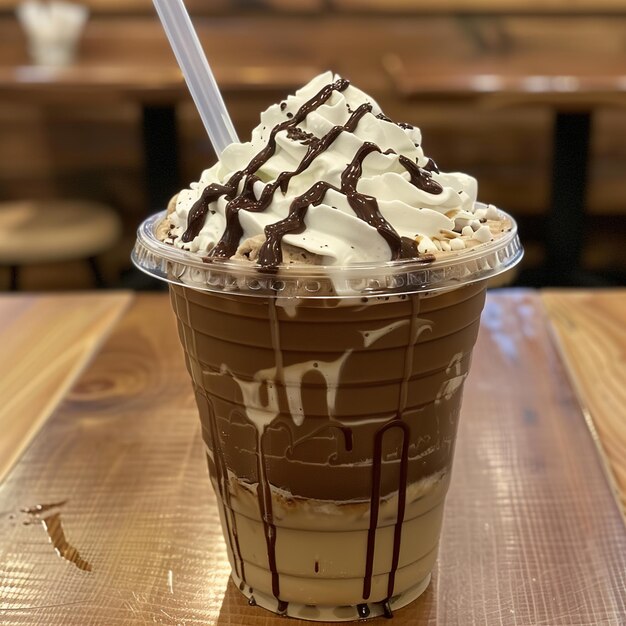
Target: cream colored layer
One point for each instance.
(321, 546)
(307, 513)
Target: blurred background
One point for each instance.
(97, 129)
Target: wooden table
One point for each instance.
(533, 532)
(156, 89)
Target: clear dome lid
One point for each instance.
(406, 276)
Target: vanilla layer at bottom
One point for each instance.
(321, 546)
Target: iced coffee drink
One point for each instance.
(328, 281)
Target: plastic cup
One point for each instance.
(329, 400)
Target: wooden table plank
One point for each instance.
(46, 341)
(532, 534)
(590, 328)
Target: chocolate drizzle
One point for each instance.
(375, 504)
(264, 494)
(198, 212)
(431, 166)
(227, 246)
(221, 473)
(420, 176)
(297, 134)
(365, 207)
(387, 612)
(396, 422)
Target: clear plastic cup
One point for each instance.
(329, 400)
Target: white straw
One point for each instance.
(197, 72)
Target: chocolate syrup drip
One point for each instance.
(318, 147)
(282, 607)
(375, 503)
(420, 177)
(301, 114)
(297, 134)
(397, 532)
(366, 207)
(377, 461)
(347, 436)
(270, 253)
(387, 612)
(264, 487)
(197, 214)
(221, 473)
(227, 246)
(264, 494)
(409, 249)
(251, 601)
(431, 166)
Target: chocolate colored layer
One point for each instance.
(329, 456)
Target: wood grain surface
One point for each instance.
(590, 328)
(532, 534)
(45, 342)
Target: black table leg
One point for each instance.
(14, 284)
(160, 140)
(566, 220)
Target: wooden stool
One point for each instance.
(50, 231)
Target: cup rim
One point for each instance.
(173, 265)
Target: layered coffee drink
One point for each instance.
(328, 281)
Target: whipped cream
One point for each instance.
(328, 175)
